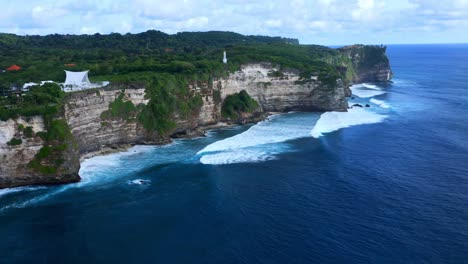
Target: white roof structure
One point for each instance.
(44, 82)
(27, 85)
(77, 78)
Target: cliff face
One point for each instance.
(83, 113)
(285, 93)
(14, 159)
(369, 63)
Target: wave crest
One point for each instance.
(366, 90)
(332, 121)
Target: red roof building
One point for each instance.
(70, 65)
(14, 68)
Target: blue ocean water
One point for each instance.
(393, 190)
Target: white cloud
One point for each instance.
(88, 30)
(324, 21)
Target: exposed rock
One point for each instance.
(83, 113)
(14, 160)
(286, 93)
(370, 63)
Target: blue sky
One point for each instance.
(311, 21)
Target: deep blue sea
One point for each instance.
(385, 184)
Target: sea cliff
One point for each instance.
(91, 129)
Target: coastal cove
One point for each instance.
(381, 184)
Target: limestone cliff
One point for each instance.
(369, 63)
(83, 113)
(286, 92)
(16, 158)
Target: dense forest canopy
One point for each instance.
(134, 57)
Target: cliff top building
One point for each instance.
(13, 68)
(76, 81)
(77, 78)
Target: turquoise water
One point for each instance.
(385, 184)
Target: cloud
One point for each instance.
(319, 21)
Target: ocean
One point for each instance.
(381, 184)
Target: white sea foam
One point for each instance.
(260, 142)
(332, 121)
(20, 189)
(366, 90)
(139, 182)
(20, 202)
(371, 86)
(379, 103)
(237, 156)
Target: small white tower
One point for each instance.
(224, 58)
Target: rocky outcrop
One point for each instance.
(369, 63)
(15, 158)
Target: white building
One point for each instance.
(27, 85)
(224, 58)
(77, 79)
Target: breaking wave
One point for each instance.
(379, 103)
(332, 121)
(261, 142)
(371, 86)
(239, 156)
(366, 90)
(7, 191)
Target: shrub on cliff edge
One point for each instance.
(238, 103)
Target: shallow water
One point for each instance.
(393, 190)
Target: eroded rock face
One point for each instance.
(370, 63)
(285, 93)
(14, 159)
(83, 114)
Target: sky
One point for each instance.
(326, 22)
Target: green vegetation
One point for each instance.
(50, 156)
(58, 130)
(217, 96)
(41, 100)
(15, 142)
(369, 56)
(169, 96)
(120, 109)
(28, 132)
(236, 104)
(277, 74)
